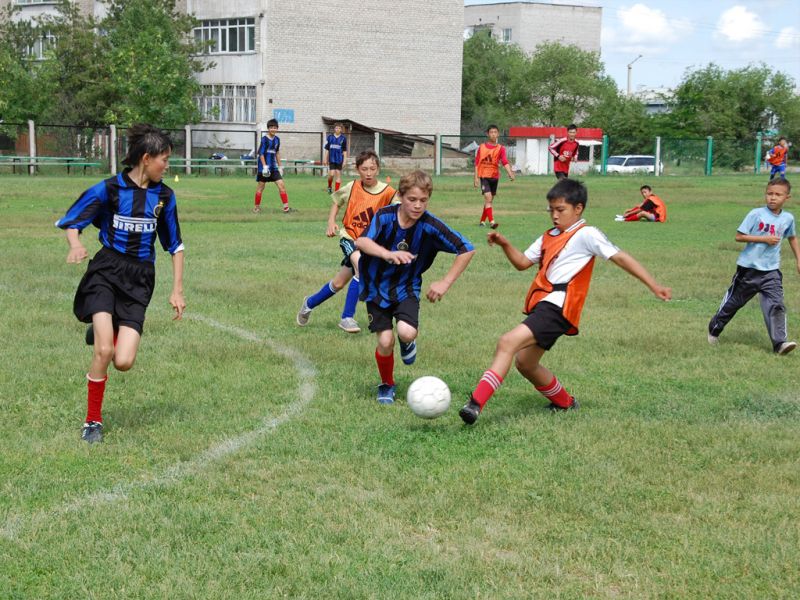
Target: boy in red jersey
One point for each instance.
(565, 255)
(652, 209)
(564, 150)
(488, 158)
(776, 157)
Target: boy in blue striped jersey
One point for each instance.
(401, 244)
(130, 210)
(268, 161)
(335, 156)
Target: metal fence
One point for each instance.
(102, 150)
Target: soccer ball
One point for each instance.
(428, 397)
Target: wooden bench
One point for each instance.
(47, 161)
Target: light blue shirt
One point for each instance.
(762, 221)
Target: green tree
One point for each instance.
(625, 120)
(151, 63)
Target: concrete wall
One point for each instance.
(533, 23)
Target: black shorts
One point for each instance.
(562, 174)
(348, 246)
(380, 319)
(489, 185)
(273, 176)
(334, 166)
(118, 284)
(547, 323)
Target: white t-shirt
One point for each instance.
(579, 250)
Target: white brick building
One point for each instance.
(387, 64)
(529, 24)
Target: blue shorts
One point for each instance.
(778, 170)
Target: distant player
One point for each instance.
(564, 151)
(777, 157)
(335, 155)
(565, 255)
(651, 209)
(488, 158)
(758, 266)
(361, 199)
(130, 210)
(268, 160)
(400, 245)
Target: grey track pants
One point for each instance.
(747, 283)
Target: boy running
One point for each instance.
(564, 150)
(565, 255)
(758, 267)
(400, 245)
(488, 158)
(269, 167)
(362, 198)
(335, 155)
(130, 209)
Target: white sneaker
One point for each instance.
(304, 313)
(713, 339)
(619, 218)
(350, 325)
(786, 347)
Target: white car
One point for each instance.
(631, 163)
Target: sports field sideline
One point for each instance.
(246, 457)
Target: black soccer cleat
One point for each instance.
(90, 335)
(573, 406)
(470, 412)
(92, 432)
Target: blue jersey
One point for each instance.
(336, 147)
(761, 222)
(268, 149)
(129, 217)
(386, 284)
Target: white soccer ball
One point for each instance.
(428, 397)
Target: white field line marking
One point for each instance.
(172, 475)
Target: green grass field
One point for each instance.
(246, 457)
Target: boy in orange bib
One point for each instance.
(565, 255)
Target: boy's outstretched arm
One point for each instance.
(176, 297)
(369, 246)
(632, 266)
(796, 249)
(439, 288)
(333, 228)
(515, 257)
(77, 251)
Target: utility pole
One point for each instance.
(630, 64)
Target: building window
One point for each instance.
(228, 103)
(506, 36)
(44, 41)
(227, 36)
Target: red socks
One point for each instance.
(486, 387)
(483, 215)
(94, 400)
(338, 185)
(556, 393)
(330, 181)
(385, 367)
(285, 201)
(489, 214)
(258, 197)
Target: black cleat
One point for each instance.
(573, 406)
(470, 412)
(92, 432)
(90, 335)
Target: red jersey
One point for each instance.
(567, 149)
(488, 158)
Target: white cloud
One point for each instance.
(737, 24)
(788, 39)
(648, 30)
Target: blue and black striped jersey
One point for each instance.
(268, 148)
(386, 284)
(129, 217)
(336, 147)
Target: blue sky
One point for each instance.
(675, 35)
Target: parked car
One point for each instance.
(631, 163)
